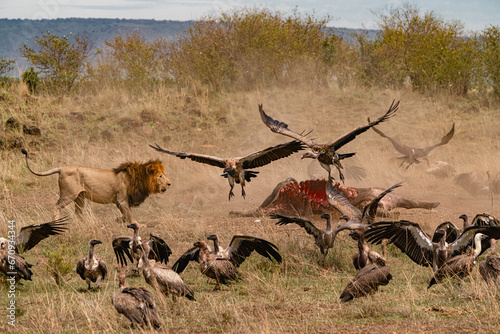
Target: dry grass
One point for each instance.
(110, 127)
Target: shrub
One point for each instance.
(131, 59)
(490, 45)
(30, 77)
(425, 50)
(61, 62)
(252, 47)
(59, 262)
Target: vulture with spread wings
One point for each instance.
(130, 247)
(326, 154)
(411, 155)
(222, 264)
(236, 170)
(414, 242)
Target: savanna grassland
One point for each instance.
(111, 126)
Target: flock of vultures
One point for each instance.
(451, 250)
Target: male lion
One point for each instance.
(127, 185)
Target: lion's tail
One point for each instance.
(49, 172)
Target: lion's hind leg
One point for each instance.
(79, 203)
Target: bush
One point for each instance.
(61, 62)
(251, 47)
(133, 60)
(425, 51)
(490, 45)
(30, 77)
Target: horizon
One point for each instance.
(475, 15)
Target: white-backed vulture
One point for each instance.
(489, 268)
(91, 268)
(414, 242)
(326, 154)
(366, 281)
(130, 247)
(222, 264)
(137, 304)
(163, 279)
(324, 239)
(237, 169)
(365, 255)
(459, 265)
(411, 155)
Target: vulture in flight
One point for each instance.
(237, 169)
(420, 248)
(222, 264)
(27, 238)
(326, 154)
(411, 155)
(91, 268)
(130, 247)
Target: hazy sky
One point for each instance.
(475, 14)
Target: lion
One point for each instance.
(127, 186)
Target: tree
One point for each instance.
(490, 40)
(6, 65)
(60, 61)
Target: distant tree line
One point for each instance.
(252, 48)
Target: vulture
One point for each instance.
(366, 281)
(27, 238)
(365, 256)
(237, 169)
(414, 242)
(222, 264)
(137, 304)
(477, 186)
(324, 239)
(130, 247)
(459, 265)
(326, 154)
(20, 269)
(489, 268)
(357, 220)
(163, 279)
(411, 155)
(91, 268)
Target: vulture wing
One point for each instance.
(305, 223)
(349, 136)
(282, 128)
(160, 251)
(407, 236)
(201, 158)
(242, 246)
(121, 246)
(270, 154)
(191, 254)
(31, 235)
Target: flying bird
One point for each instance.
(130, 247)
(326, 154)
(91, 268)
(236, 170)
(411, 155)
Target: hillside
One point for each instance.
(16, 32)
